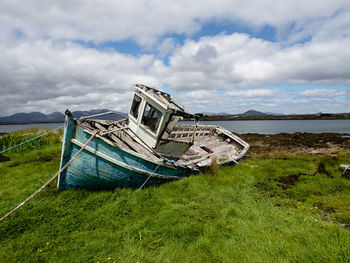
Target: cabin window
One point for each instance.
(135, 107)
(151, 117)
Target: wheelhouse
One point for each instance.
(153, 115)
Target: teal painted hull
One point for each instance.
(101, 165)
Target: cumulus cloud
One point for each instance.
(45, 69)
(255, 93)
(205, 53)
(145, 21)
(167, 46)
(321, 93)
(47, 76)
(237, 60)
(199, 96)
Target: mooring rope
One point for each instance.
(51, 179)
(148, 177)
(12, 147)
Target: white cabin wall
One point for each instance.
(140, 130)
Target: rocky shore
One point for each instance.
(297, 143)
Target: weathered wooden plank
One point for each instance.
(171, 127)
(120, 143)
(86, 125)
(113, 130)
(100, 127)
(193, 161)
(160, 98)
(126, 138)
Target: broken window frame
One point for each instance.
(135, 108)
(148, 120)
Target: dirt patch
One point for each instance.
(48, 158)
(321, 169)
(289, 180)
(284, 182)
(4, 158)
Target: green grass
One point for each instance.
(243, 214)
(16, 138)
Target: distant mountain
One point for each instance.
(223, 113)
(56, 116)
(245, 114)
(274, 113)
(79, 114)
(252, 113)
(215, 114)
(38, 117)
(33, 117)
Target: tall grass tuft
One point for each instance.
(16, 138)
(213, 168)
(12, 140)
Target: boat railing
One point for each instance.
(186, 131)
(114, 130)
(102, 114)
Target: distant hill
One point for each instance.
(274, 113)
(33, 117)
(252, 113)
(249, 113)
(38, 117)
(215, 114)
(79, 114)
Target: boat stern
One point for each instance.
(69, 126)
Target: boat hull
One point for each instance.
(102, 165)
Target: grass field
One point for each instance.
(271, 209)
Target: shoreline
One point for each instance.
(320, 116)
(297, 143)
(292, 144)
(28, 123)
(269, 119)
(237, 126)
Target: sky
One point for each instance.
(288, 56)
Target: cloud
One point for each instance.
(321, 93)
(255, 93)
(45, 69)
(46, 76)
(205, 53)
(146, 21)
(238, 60)
(199, 97)
(167, 46)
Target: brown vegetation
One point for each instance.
(297, 143)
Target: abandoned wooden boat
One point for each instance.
(149, 147)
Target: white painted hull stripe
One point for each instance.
(112, 160)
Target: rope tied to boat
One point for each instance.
(148, 177)
(12, 147)
(173, 162)
(51, 179)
